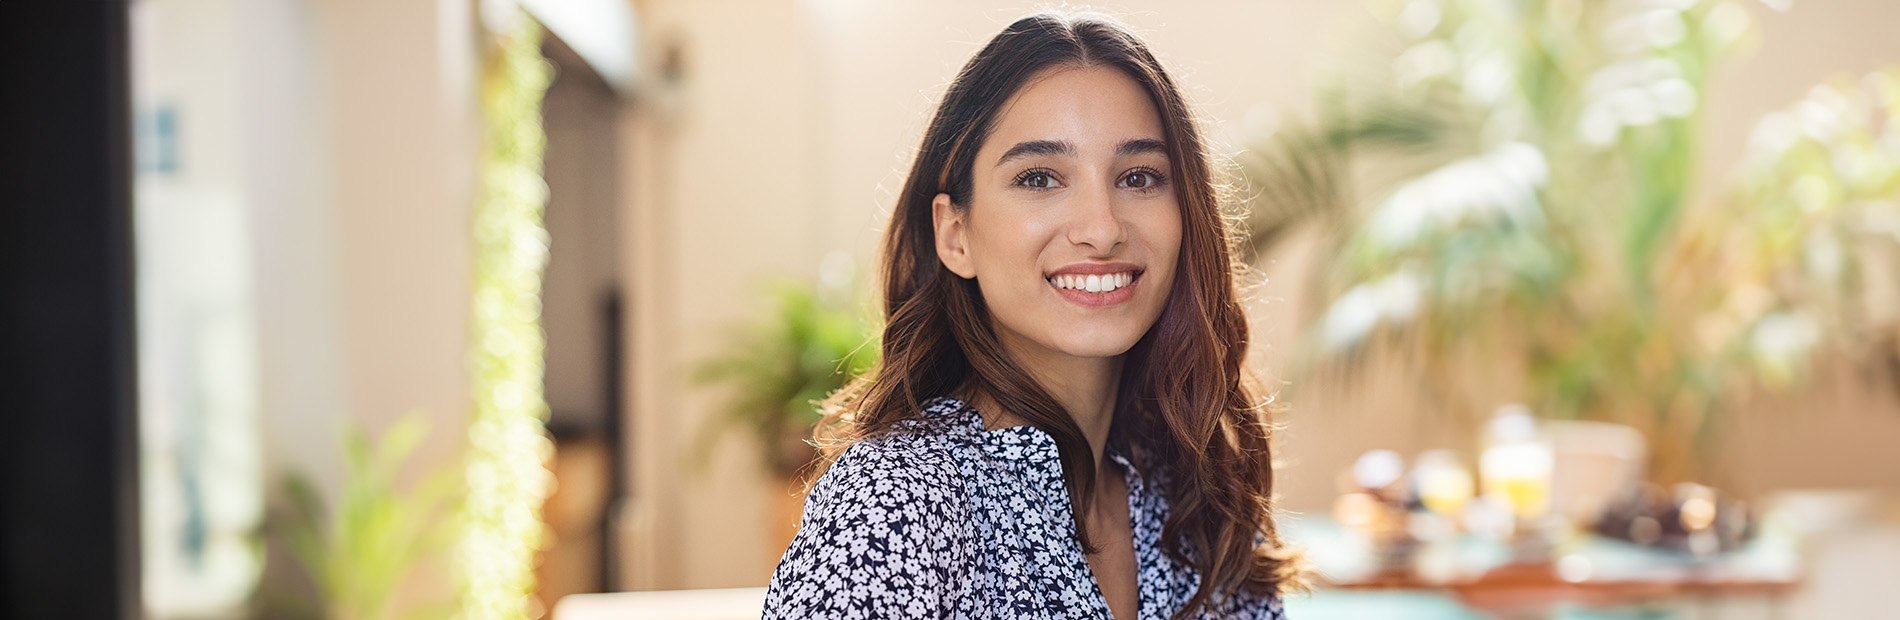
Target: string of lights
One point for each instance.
(507, 475)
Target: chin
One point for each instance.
(1097, 344)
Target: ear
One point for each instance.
(952, 244)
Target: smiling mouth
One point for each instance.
(1093, 283)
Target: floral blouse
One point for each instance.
(945, 519)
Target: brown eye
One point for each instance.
(1036, 179)
(1141, 179)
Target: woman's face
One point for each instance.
(1073, 228)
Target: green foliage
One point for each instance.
(1817, 248)
(508, 445)
(1510, 196)
(778, 368)
(360, 553)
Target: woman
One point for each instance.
(1060, 425)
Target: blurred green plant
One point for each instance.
(359, 554)
(508, 445)
(1814, 240)
(776, 369)
(1508, 201)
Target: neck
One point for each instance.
(1085, 387)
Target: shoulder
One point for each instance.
(918, 456)
(914, 471)
(892, 503)
(887, 533)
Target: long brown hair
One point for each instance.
(1202, 420)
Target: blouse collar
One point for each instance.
(1030, 454)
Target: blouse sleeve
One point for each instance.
(1274, 609)
(885, 535)
(1250, 606)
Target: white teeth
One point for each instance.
(1100, 283)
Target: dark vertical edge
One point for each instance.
(121, 274)
(614, 326)
(69, 505)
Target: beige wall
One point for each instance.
(295, 245)
(720, 198)
(403, 126)
(345, 131)
(363, 247)
(341, 136)
(582, 171)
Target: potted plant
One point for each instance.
(810, 342)
(359, 553)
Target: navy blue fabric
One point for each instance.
(944, 519)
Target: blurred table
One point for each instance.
(1820, 555)
(1585, 573)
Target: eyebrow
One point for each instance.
(1139, 146)
(1034, 148)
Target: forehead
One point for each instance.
(1094, 108)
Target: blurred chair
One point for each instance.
(572, 562)
(1593, 463)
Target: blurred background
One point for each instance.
(497, 308)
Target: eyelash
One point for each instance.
(1022, 180)
(1160, 180)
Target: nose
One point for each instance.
(1094, 222)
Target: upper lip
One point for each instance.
(1094, 269)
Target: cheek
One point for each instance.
(1165, 241)
(1005, 249)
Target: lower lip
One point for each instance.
(1100, 300)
